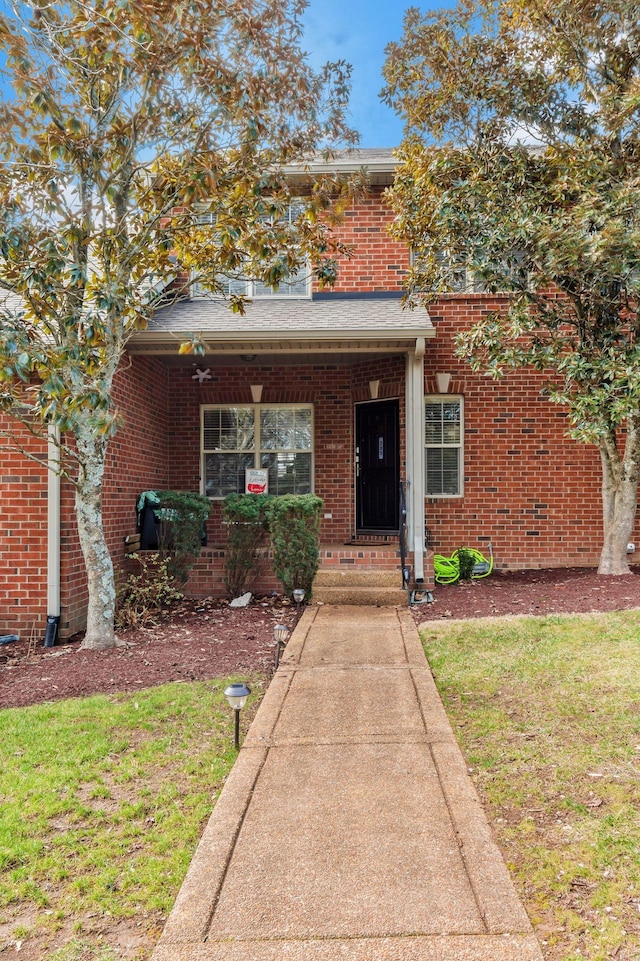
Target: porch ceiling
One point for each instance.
(288, 326)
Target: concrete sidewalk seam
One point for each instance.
(292, 741)
(379, 936)
(431, 948)
(337, 666)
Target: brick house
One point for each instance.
(344, 393)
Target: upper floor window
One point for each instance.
(297, 284)
(459, 276)
(443, 445)
(277, 438)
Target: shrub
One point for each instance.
(183, 518)
(146, 593)
(247, 539)
(294, 526)
(466, 560)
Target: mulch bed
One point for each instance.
(198, 640)
(574, 590)
(202, 639)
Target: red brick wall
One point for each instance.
(23, 536)
(140, 446)
(528, 488)
(379, 263)
(137, 460)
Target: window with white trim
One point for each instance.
(443, 445)
(297, 284)
(275, 437)
(461, 278)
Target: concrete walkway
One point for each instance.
(348, 829)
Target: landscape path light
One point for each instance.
(237, 695)
(298, 596)
(281, 633)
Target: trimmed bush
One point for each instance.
(247, 539)
(466, 560)
(183, 518)
(294, 527)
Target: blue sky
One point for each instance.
(358, 31)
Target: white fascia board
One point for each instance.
(399, 339)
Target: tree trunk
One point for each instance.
(619, 496)
(91, 449)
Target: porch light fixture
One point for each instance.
(256, 393)
(374, 387)
(281, 633)
(237, 695)
(443, 381)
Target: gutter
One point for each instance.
(53, 536)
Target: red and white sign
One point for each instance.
(256, 481)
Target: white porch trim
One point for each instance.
(415, 455)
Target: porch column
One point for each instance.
(415, 455)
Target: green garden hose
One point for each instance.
(447, 569)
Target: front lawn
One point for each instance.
(547, 712)
(102, 799)
(102, 802)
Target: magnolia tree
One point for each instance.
(134, 133)
(520, 169)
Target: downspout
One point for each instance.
(53, 536)
(415, 455)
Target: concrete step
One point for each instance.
(353, 576)
(364, 596)
(372, 586)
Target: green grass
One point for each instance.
(547, 712)
(102, 801)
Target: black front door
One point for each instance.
(377, 466)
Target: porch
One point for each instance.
(327, 395)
